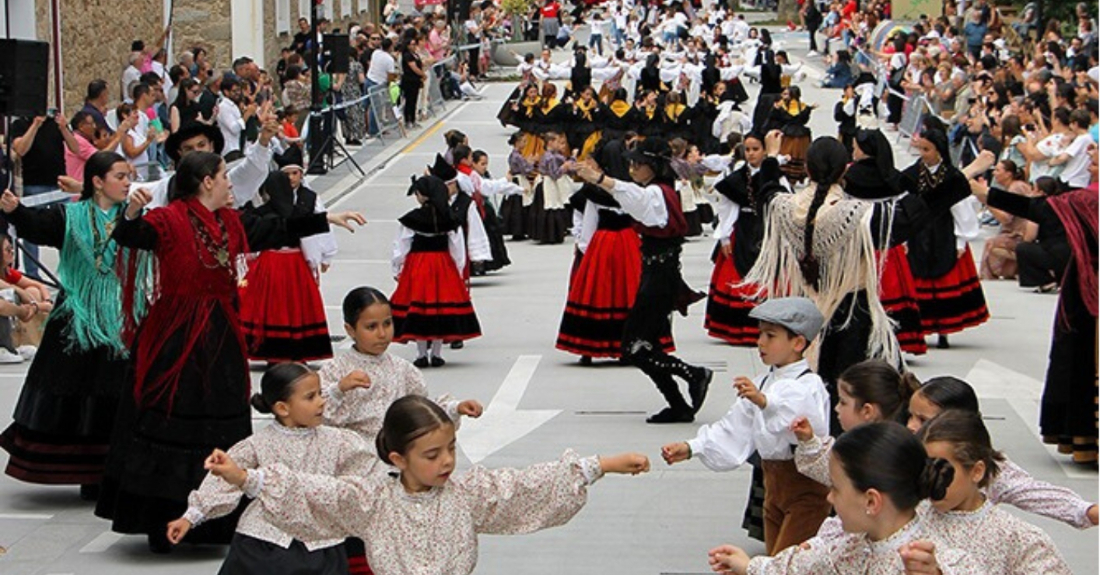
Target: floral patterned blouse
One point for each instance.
(362, 410)
(1012, 486)
(320, 450)
(430, 533)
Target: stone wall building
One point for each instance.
(91, 38)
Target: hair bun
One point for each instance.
(259, 404)
(936, 478)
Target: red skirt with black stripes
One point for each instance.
(431, 301)
(954, 301)
(602, 291)
(898, 295)
(282, 313)
(728, 305)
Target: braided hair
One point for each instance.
(826, 160)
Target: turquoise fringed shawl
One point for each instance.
(93, 293)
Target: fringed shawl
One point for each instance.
(87, 272)
(844, 245)
(1078, 212)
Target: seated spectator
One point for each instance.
(999, 254)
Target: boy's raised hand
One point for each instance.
(802, 429)
(471, 408)
(632, 463)
(676, 452)
(748, 390)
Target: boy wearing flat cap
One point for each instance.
(760, 419)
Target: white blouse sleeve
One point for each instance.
(402, 245)
(966, 222)
(728, 212)
(456, 246)
(215, 497)
(249, 174)
(310, 506)
(727, 443)
(1014, 486)
(500, 186)
(812, 459)
(589, 221)
(647, 205)
(509, 501)
(319, 249)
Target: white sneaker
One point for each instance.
(9, 357)
(812, 54)
(27, 351)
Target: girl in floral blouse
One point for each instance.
(298, 440)
(1011, 486)
(966, 518)
(422, 521)
(360, 384)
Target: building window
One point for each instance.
(345, 8)
(303, 8)
(282, 16)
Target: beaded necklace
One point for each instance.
(928, 180)
(217, 250)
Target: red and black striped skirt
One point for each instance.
(898, 294)
(728, 305)
(282, 313)
(954, 301)
(431, 300)
(601, 293)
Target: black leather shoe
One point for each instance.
(458, 344)
(158, 543)
(89, 492)
(421, 362)
(698, 389)
(942, 343)
(586, 360)
(669, 415)
(438, 361)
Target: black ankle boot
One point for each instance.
(670, 415)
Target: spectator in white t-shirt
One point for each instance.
(1076, 172)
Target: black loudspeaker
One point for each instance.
(337, 52)
(24, 71)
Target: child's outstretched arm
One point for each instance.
(811, 456)
(511, 501)
(723, 445)
(219, 493)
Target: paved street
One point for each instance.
(662, 522)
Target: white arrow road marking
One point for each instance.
(502, 423)
(1023, 393)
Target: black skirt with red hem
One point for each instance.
(601, 293)
(954, 301)
(728, 305)
(282, 313)
(898, 295)
(431, 300)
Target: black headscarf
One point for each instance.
(874, 177)
(938, 138)
(434, 216)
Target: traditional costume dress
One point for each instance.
(259, 546)
(514, 208)
(431, 301)
(586, 127)
(66, 409)
(948, 289)
(1067, 415)
(603, 287)
(740, 232)
(282, 312)
(481, 191)
(875, 179)
(549, 216)
(189, 366)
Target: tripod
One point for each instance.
(322, 162)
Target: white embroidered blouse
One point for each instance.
(361, 410)
(318, 450)
(430, 533)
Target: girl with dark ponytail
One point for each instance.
(966, 518)
(880, 473)
(821, 244)
(419, 514)
(298, 441)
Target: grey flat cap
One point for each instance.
(797, 314)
